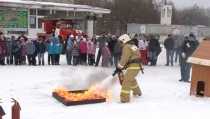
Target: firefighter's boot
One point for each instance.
(137, 92)
(124, 97)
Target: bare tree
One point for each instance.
(192, 16)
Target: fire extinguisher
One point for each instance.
(2, 113)
(15, 109)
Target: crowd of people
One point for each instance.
(79, 50)
(182, 47)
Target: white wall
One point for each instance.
(32, 33)
(166, 15)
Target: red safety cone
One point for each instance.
(15, 109)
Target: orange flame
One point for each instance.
(95, 92)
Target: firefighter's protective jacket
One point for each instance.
(130, 52)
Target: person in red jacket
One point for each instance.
(143, 47)
(106, 56)
(83, 51)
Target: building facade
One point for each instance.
(18, 16)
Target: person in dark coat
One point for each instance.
(189, 46)
(3, 48)
(178, 41)
(30, 49)
(50, 51)
(169, 46)
(41, 49)
(111, 44)
(16, 49)
(23, 40)
(69, 47)
(23, 52)
(60, 46)
(154, 50)
(10, 55)
(102, 41)
(117, 52)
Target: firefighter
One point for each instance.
(130, 61)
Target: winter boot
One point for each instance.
(137, 92)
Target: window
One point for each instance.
(43, 12)
(32, 21)
(40, 23)
(32, 11)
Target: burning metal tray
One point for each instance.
(73, 103)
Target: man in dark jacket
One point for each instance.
(189, 46)
(41, 49)
(69, 47)
(3, 49)
(102, 41)
(30, 49)
(16, 50)
(117, 52)
(169, 46)
(10, 55)
(154, 50)
(111, 44)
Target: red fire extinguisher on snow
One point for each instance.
(15, 109)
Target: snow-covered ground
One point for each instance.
(163, 96)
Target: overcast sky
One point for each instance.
(186, 3)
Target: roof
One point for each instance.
(201, 56)
(53, 6)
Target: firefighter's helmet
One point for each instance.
(124, 38)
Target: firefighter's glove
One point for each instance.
(117, 70)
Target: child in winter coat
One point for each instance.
(91, 50)
(106, 55)
(50, 51)
(30, 50)
(23, 40)
(75, 53)
(56, 50)
(10, 57)
(23, 52)
(69, 47)
(41, 48)
(143, 47)
(17, 52)
(83, 51)
(2, 51)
